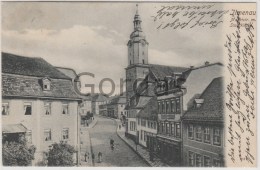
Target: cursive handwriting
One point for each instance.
(240, 89)
(186, 16)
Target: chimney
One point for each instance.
(206, 63)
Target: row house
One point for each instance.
(38, 101)
(203, 128)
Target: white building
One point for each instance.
(40, 101)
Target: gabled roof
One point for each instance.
(213, 104)
(29, 66)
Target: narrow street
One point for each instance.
(122, 155)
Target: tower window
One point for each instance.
(130, 62)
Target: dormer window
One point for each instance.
(46, 84)
(198, 103)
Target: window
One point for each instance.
(145, 136)
(162, 108)
(178, 130)
(216, 136)
(5, 108)
(154, 125)
(163, 128)
(172, 130)
(148, 122)
(65, 133)
(206, 135)
(159, 107)
(198, 133)
(198, 160)
(167, 107)
(28, 136)
(168, 128)
(178, 106)
(216, 163)
(143, 60)
(143, 122)
(190, 132)
(65, 108)
(206, 161)
(27, 108)
(138, 121)
(47, 134)
(173, 106)
(46, 84)
(191, 159)
(47, 108)
(141, 135)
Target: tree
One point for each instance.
(17, 153)
(60, 154)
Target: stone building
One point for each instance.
(203, 128)
(40, 101)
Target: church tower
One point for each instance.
(138, 66)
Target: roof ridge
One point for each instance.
(211, 64)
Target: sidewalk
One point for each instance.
(140, 150)
(86, 145)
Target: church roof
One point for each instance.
(29, 66)
(212, 107)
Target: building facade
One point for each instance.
(97, 100)
(38, 97)
(203, 128)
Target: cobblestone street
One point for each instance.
(122, 155)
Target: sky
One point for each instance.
(92, 37)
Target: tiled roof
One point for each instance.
(68, 72)
(213, 105)
(150, 110)
(26, 86)
(160, 71)
(29, 66)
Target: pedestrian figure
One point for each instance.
(87, 124)
(93, 156)
(86, 156)
(99, 157)
(119, 127)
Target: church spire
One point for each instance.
(137, 20)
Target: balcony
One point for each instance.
(166, 116)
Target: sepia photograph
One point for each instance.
(128, 84)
